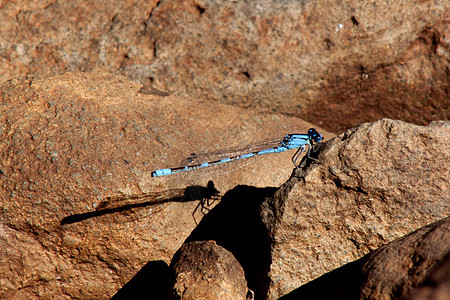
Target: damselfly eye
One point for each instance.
(314, 135)
(318, 138)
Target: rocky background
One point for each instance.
(333, 63)
(96, 95)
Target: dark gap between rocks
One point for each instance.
(236, 225)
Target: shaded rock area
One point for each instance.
(371, 185)
(416, 266)
(74, 148)
(204, 270)
(437, 283)
(151, 282)
(235, 224)
(334, 63)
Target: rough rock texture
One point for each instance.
(374, 183)
(437, 284)
(393, 270)
(70, 141)
(416, 266)
(335, 63)
(204, 270)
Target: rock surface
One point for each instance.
(416, 266)
(334, 63)
(393, 270)
(70, 141)
(204, 270)
(374, 183)
(437, 283)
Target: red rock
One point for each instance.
(437, 283)
(396, 268)
(204, 270)
(415, 266)
(373, 184)
(336, 63)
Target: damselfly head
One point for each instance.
(314, 135)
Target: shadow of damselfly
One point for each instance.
(116, 204)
